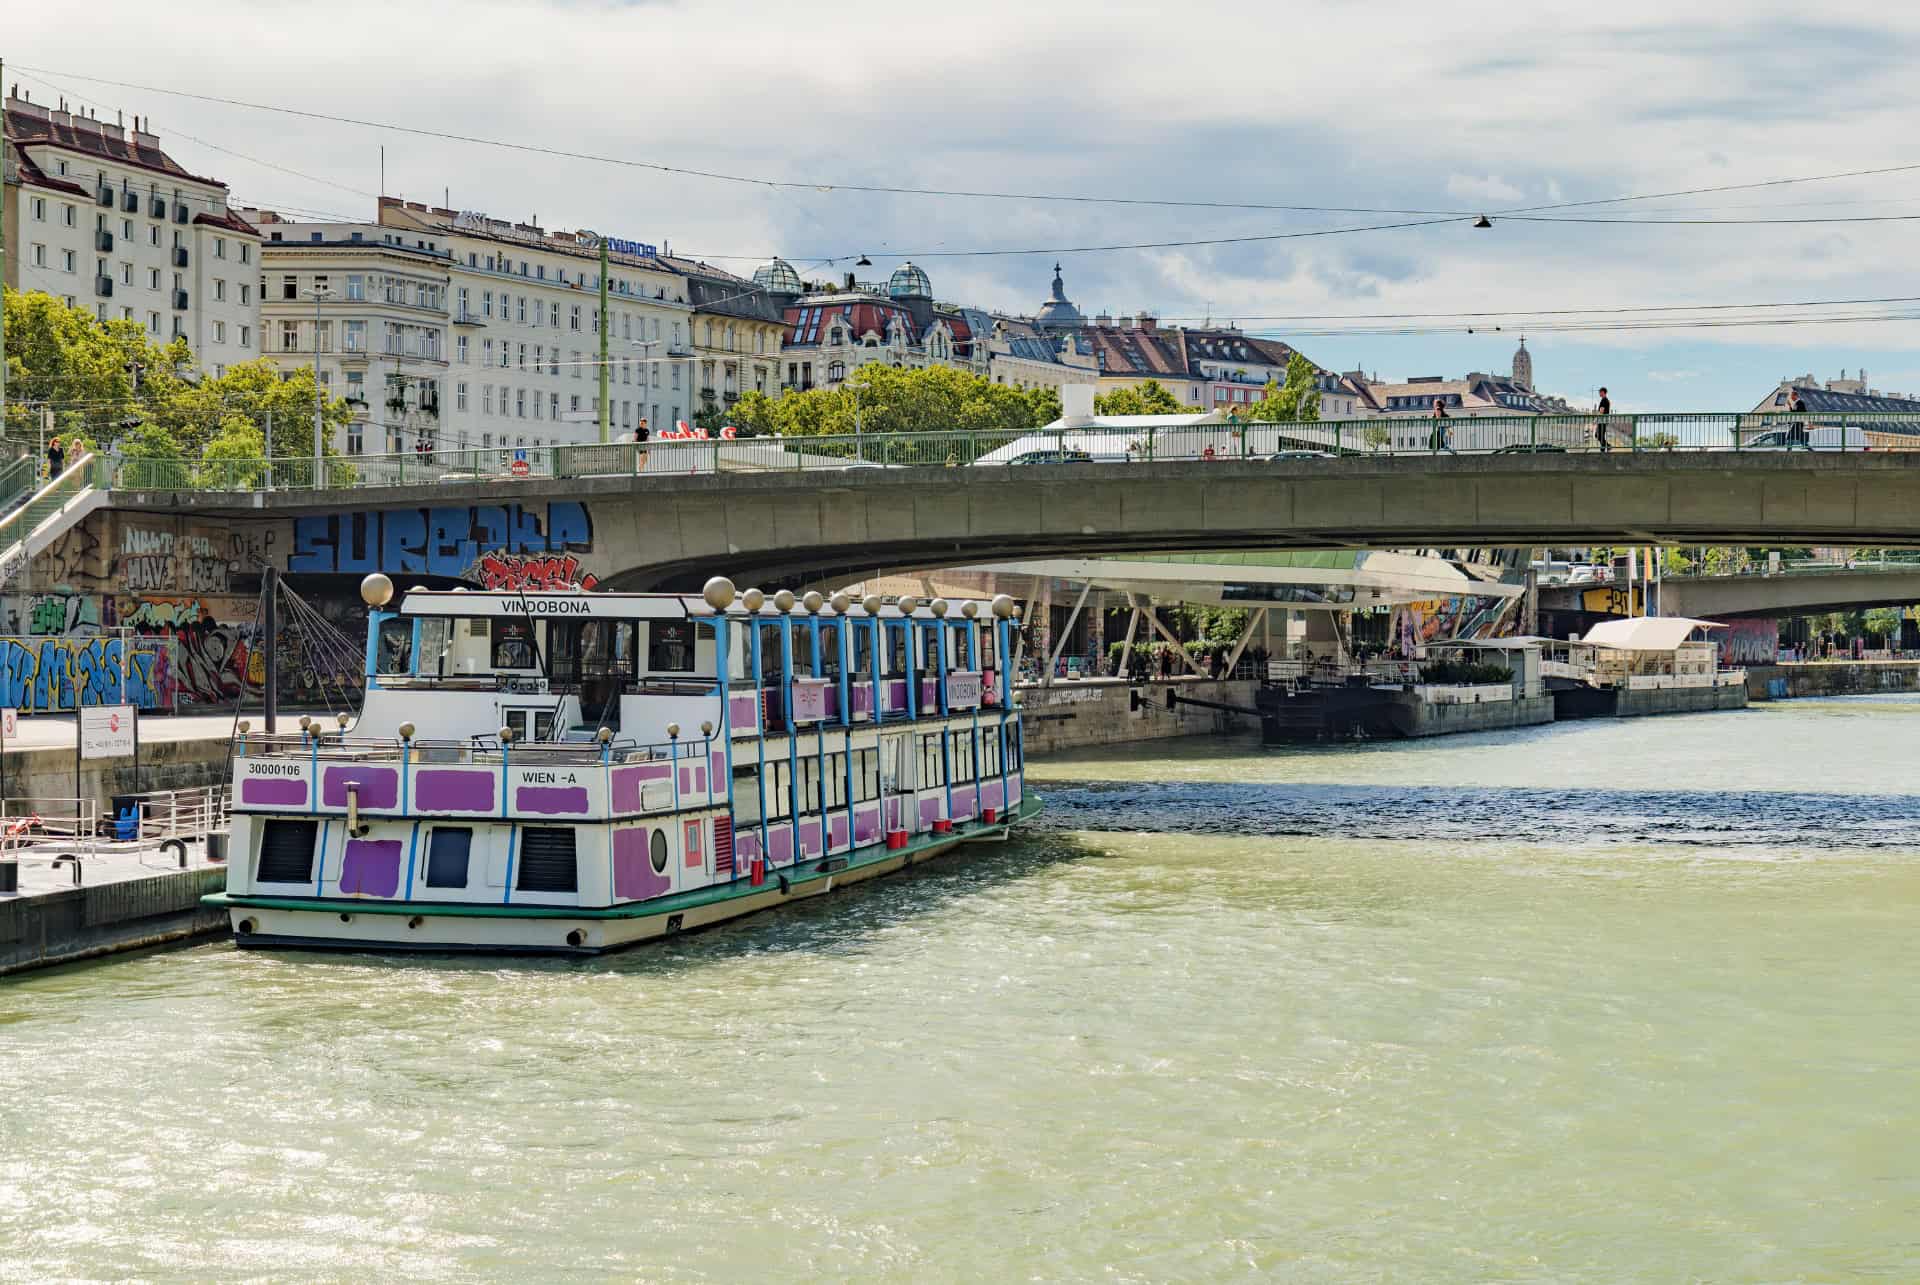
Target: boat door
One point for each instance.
(897, 781)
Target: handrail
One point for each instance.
(1384, 436)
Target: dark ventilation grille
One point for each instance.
(723, 845)
(286, 851)
(546, 860)
(447, 857)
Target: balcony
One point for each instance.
(130, 201)
(179, 300)
(180, 212)
(179, 256)
(103, 286)
(106, 196)
(158, 208)
(102, 240)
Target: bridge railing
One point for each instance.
(1416, 435)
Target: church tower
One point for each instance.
(1523, 366)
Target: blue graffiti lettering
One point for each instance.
(441, 542)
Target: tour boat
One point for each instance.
(581, 771)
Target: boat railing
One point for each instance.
(487, 749)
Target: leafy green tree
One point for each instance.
(1150, 398)
(196, 412)
(84, 368)
(152, 457)
(235, 456)
(1297, 401)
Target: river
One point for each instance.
(1603, 1001)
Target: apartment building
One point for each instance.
(99, 215)
(366, 307)
(523, 316)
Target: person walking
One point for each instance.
(56, 459)
(1437, 438)
(1797, 434)
(1600, 425)
(640, 436)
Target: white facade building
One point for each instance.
(99, 216)
(523, 314)
(371, 305)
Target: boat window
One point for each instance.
(286, 851)
(960, 754)
(585, 651)
(738, 672)
(986, 646)
(512, 643)
(929, 648)
(447, 850)
(436, 637)
(861, 636)
(866, 775)
(896, 647)
(546, 860)
(770, 654)
(932, 767)
(658, 852)
(779, 794)
(746, 797)
(1013, 747)
(396, 647)
(960, 650)
(670, 647)
(829, 649)
(989, 755)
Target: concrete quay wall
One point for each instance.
(1636, 703)
(80, 923)
(1072, 715)
(48, 773)
(1832, 678)
(1415, 717)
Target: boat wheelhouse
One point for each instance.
(575, 772)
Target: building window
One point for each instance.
(289, 336)
(219, 332)
(289, 288)
(40, 209)
(486, 399)
(573, 318)
(246, 332)
(219, 247)
(68, 216)
(68, 260)
(520, 403)
(246, 253)
(522, 309)
(219, 290)
(153, 323)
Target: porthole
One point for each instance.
(658, 853)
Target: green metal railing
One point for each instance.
(15, 527)
(1502, 435)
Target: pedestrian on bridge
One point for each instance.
(1437, 438)
(56, 459)
(1600, 425)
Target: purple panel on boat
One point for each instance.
(833, 701)
(718, 763)
(746, 846)
(780, 844)
(893, 814)
(379, 787)
(272, 790)
(439, 789)
(962, 803)
(551, 800)
(929, 810)
(686, 780)
(929, 693)
(810, 838)
(700, 778)
(1013, 790)
(743, 712)
(990, 794)
(861, 698)
(628, 780)
(837, 830)
(371, 866)
(866, 825)
(896, 694)
(633, 874)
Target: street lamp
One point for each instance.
(319, 399)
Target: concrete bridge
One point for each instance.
(1797, 593)
(655, 531)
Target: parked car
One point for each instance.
(1808, 437)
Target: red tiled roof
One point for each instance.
(30, 172)
(27, 125)
(807, 324)
(1123, 352)
(229, 220)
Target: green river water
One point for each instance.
(1608, 1001)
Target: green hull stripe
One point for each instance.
(1030, 806)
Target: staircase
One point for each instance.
(48, 513)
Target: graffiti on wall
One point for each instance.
(439, 541)
(1748, 640)
(544, 573)
(1416, 624)
(55, 615)
(48, 675)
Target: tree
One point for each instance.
(1884, 623)
(199, 411)
(84, 368)
(1150, 398)
(1298, 401)
(152, 458)
(234, 457)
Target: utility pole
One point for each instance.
(319, 402)
(269, 448)
(606, 434)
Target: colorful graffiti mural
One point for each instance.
(1416, 624)
(1748, 640)
(531, 571)
(440, 542)
(49, 675)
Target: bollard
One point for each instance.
(9, 877)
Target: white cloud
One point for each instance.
(1490, 188)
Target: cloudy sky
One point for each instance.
(1389, 105)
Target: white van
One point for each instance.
(1808, 437)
